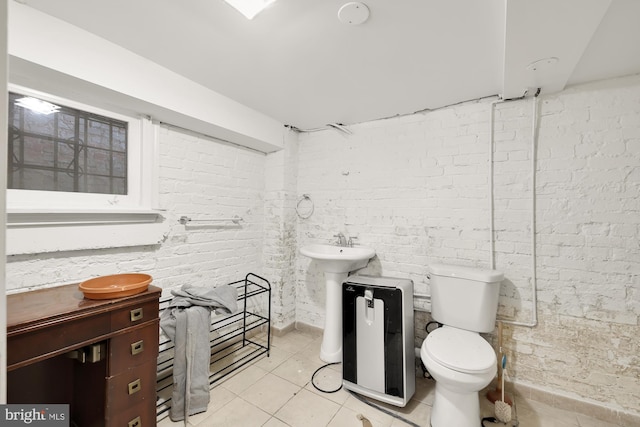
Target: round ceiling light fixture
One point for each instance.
(353, 13)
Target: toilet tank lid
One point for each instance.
(478, 274)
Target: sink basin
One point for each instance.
(336, 262)
(338, 259)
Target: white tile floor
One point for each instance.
(276, 391)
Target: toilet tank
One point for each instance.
(465, 298)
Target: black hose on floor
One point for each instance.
(360, 398)
(318, 370)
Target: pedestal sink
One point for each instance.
(336, 262)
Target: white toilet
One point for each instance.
(465, 301)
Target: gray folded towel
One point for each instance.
(187, 323)
(223, 299)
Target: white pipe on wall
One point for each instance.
(425, 297)
(492, 263)
(534, 287)
(534, 138)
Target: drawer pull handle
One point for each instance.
(137, 347)
(136, 314)
(136, 422)
(134, 386)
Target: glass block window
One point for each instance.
(58, 148)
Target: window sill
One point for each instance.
(31, 231)
(68, 217)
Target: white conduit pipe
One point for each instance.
(492, 262)
(425, 297)
(534, 281)
(534, 289)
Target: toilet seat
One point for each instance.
(460, 350)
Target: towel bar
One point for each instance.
(184, 220)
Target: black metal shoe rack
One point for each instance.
(236, 340)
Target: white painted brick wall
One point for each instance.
(280, 248)
(415, 188)
(199, 178)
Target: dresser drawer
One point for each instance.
(141, 415)
(131, 388)
(134, 315)
(133, 348)
(58, 338)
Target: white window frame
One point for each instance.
(47, 221)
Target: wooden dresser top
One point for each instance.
(44, 306)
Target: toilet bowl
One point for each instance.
(464, 300)
(462, 363)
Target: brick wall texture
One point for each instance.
(416, 188)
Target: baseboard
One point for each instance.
(304, 327)
(588, 408)
(278, 332)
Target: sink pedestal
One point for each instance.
(331, 349)
(336, 262)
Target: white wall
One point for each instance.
(415, 188)
(96, 70)
(199, 178)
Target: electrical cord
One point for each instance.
(496, 422)
(489, 419)
(433, 322)
(318, 370)
(357, 396)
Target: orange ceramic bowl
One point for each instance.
(115, 286)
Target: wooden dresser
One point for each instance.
(98, 356)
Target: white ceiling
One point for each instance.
(297, 63)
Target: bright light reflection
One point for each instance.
(249, 8)
(37, 105)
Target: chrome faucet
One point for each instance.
(342, 241)
(350, 242)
